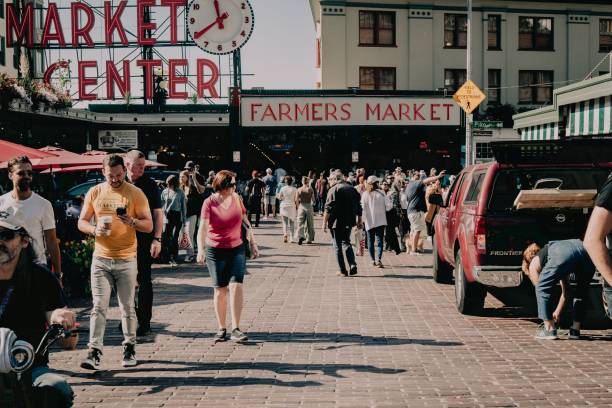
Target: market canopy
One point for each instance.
(8, 150)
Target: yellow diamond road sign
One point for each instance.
(469, 96)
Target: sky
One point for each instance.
(281, 51)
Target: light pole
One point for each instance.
(469, 116)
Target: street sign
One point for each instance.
(487, 124)
(469, 96)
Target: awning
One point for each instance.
(589, 118)
(549, 131)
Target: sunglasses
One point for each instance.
(24, 173)
(7, 234)
(230, 185)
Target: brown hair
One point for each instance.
(529, 253)
(288, 180)
(186, 174)
(18, 160)
(305, 180)
(172, 182)
(113, 160)
(223, 179)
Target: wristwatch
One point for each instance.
(157, 239)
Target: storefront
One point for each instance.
(580, 110)
(303, 130)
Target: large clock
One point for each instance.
(220, 26)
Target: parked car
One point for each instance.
(479, 234)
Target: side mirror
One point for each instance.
(436, 199)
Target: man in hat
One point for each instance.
(30, 299)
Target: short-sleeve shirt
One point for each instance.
(270, 182)
(224, 224)
(150, 190)
(415, 195)
(35, 291)
(604, 199)
(104, 200)
(38, 213)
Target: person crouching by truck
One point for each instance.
(552, 263)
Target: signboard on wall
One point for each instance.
(258, 111)
(117, 139)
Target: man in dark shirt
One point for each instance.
(149, 244)
(255, 189)
(342, 213)
(598, 240)
(30, 298)
(417, 207)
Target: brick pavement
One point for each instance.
(385, 338)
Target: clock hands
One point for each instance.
(218, 20)
(216, 3)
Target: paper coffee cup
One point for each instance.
(107, 220)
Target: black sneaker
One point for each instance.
(300, 241)
(143, 331)
(129, 356)
(353, 270)
(239, 336)
(92, 361)
(220, 335)
(574, 334)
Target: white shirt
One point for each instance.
(38, 213)
(287, 205)
(375, 206)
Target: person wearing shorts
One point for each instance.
(221, 246)
(417, 208)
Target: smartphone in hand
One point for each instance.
(121, 211)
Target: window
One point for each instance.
(535, 87)
(494, 93)
(376, 78)
(376, 28)
(455, 31)
(1, 8)
(2, 51)
(475, 187)
(454, 78)
(536, 33)
(494, 37)
(484, 151)
(605, 35)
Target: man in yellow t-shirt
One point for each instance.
(120, 209)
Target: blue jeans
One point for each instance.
(226, 265)
(377, 233)
(564, 258)
(342, 242)
(50, 390)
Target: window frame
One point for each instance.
(498, 86)
(498, 32)
(376, 28)
(534, 87)
(455, 71)
(454, 46)
(534, 31)
(377, 77)
(2, 51)
(607, 48)
(475, 188)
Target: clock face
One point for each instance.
(220, 26)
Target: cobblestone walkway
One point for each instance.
(385, 338)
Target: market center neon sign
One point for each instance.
(20, 29)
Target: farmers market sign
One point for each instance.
(74, 27)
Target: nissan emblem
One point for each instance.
(560, 217)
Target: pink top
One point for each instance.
(224, 225)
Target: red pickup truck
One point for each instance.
(479, 234)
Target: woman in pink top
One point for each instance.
(221, 247)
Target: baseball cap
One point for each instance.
(190, 164)
(12, 220)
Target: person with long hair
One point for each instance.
(304, 200)
(375, 205)
(174, 206)
(288, 209)
(221, 246)
(194, 205)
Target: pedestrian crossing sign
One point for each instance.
(469, 96)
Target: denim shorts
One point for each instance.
(226, 265)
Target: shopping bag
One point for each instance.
(185, 241)
(360, 241)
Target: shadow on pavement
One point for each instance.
(395, 276)
(186, 374)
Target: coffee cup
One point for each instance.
(107, 221)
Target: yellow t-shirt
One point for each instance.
(105, 200)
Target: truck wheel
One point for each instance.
(469, 296)
(442, 271)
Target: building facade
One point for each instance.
(522, 50)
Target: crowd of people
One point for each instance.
(133, 223)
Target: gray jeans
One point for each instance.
(305, 220)
(106, 273)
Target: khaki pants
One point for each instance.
(305, 220)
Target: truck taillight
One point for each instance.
(480, 235)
